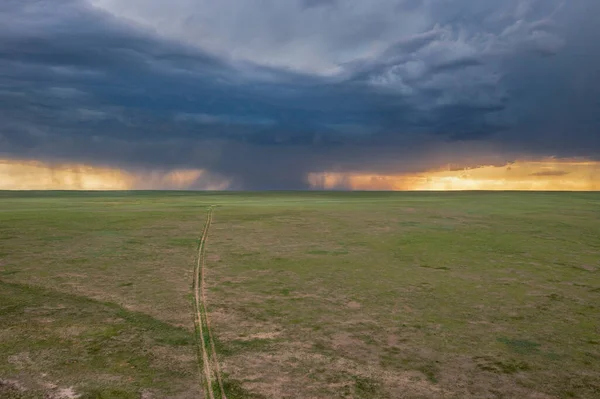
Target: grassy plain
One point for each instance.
(310, 295)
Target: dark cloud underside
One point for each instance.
(271, 94)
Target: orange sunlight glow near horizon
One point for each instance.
(35, 175)
(542, 175)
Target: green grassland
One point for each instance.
(310, 295)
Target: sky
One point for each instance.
(300, 94)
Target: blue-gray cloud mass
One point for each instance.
(264, 92)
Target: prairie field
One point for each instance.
(299, 295)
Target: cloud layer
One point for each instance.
(266, 92)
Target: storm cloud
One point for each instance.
(264, 92)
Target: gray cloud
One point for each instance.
(264, 95)
(551, 173)
(317, 3)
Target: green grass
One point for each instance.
(363, 295)
(57, 336)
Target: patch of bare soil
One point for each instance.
(15, 389)
(344, 340)
(411, 384)
(177, 359)
(10, 387)
(295, 369)
(72, 331)
(20, 360)
(213, 258)
(341, 368)
(231, 327)
(589, 268)
(65, 393)
(147, 394)
(261, 335)
(466, 379)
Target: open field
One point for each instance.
(308, 295)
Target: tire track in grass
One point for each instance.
(203, 363)
(207, 353)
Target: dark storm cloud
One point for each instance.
(270, 94)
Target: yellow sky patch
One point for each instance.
(33, 175)
(548, 174)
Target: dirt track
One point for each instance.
(208, 364)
